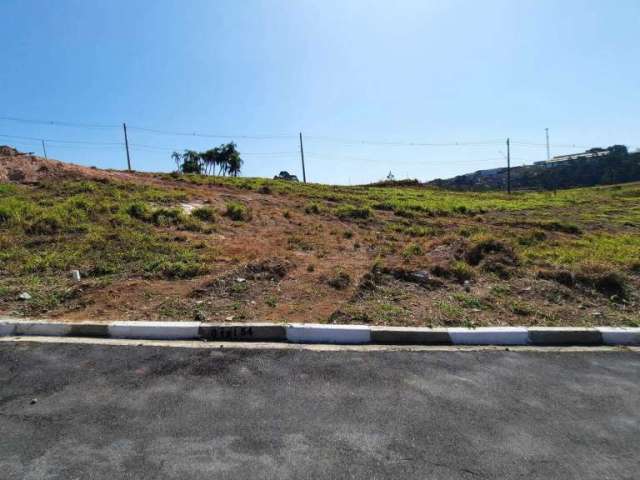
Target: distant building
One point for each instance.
(587, 155)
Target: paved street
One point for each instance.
(73, 411)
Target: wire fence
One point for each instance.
(279, 149)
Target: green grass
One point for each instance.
(115, 230)
(98, 228)
(237, 212)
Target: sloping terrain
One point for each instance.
(618, 167)
(183, 247)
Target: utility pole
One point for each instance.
(44, 149)
(304, 174)
(546, 131)
(126, 144)
(508, 167)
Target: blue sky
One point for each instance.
(406, 71)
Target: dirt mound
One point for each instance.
(16, 166)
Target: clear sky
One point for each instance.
(421, 71)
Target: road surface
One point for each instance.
(77, 411)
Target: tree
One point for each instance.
(233, 162)
(177, 157)
(224, 157)
(210, 159)
(191, 162)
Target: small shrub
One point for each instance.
(166, 216)
(347, 234)
(5, 214)
(237, 212)
(312, 208)
(264, 189)
(462, 272)
(340, 280)
(206, 214)
(489, 246)
(138, 210)
(460, 209)
(48, 224)
(351, 211)
(563, 227)
(286, 214)
(412, 250)
(532, 238)
(178, 269)
(563, 277)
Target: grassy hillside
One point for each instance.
(184, 247)
(617, 167)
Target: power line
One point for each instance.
(346, 141)
(173, 149)
(58, 123)
(80, 142)
(210, 135)
(558, 145)
(404, 144)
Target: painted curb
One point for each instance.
(410, 336)
(560, 336)
(620, 335)
(489, 336)
(332, 334)
(337, 334)
(155, 330)
(254, 332)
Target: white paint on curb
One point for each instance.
(330, 334)
(489, 336)
(338, 334)
(620, 335)
(155, 330)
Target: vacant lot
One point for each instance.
(160, 246)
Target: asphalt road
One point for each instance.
(127, 412)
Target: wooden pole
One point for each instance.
(304, 174)
(126, 144)
(508, 167)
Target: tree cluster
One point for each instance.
(225, 160)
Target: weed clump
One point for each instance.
(493, 256)
(563, 277)
(486, 247)
(176, 269)
(237, 212)
(350, 211)
(206, 214)
(562, 227)
(340, 280)
(138, 210)
(166, 216)
(312, 208)
(48, 224)
(412, 250)
(603, 280)
(457, 270)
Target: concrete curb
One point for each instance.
(320, 333)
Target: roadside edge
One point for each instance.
(326, 334)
